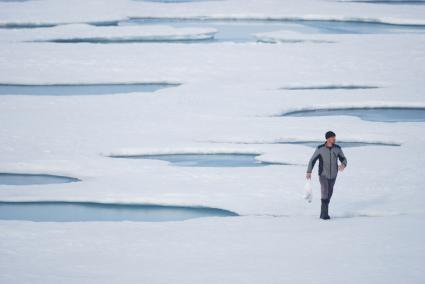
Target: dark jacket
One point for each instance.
(328, 160)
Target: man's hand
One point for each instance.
(341, 167)
(308, 175)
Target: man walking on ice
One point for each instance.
(328, 154)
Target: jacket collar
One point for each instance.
(333, 145)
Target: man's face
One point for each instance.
(331, 139)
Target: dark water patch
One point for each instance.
(177, 1)
(26, 25)
(111, 23)
(227, 30)
(58, 211)
(381, 114)
(81, 89)
(30, 179)
(329, 87)
(130, 40)
(206, 160)
(244, 30)
(360, 27)
(387, 2)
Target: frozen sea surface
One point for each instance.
(370, 56)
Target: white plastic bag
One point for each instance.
(308, 193)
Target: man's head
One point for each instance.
(330, 137)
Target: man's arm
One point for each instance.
(311, 163)
(342, 159)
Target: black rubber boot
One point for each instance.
(323, 209)
(326, 208)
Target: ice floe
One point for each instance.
(75, 33)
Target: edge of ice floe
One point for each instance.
(326, 86)
(372, 20)
(86, 32)
(369, 105)
(378, 1)
(178, 151)
(106, 39)
(284, 36)
(297, 139)
(291, 40)
(32, 172)
(58, 169)
(115, 202)
(261, 156)
(90, 83)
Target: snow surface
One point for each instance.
(229, 92)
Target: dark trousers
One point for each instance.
(326, 187)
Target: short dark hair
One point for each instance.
(329, 134)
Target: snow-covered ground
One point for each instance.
(229, 92)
